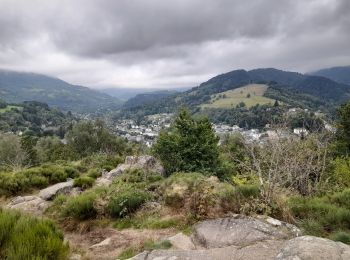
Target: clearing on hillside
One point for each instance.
(251, 95)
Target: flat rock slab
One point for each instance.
(310, 248)
(266, 250)
(181, 241)
(239, 231)
(29, 204)
(59, 188)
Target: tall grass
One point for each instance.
(25, 237)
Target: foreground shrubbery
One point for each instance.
(24, 237)
(12, 183)
(324, 216)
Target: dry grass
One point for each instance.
(232, 98)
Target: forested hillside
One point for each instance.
(33, 118)
(338, 74)
(16, 87)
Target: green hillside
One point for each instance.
(250, 95)
(16, 87)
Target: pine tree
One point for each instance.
(190, 145)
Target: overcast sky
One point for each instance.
(163, 43)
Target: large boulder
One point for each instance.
(240, 231)
(309, 248)
(146, 162)
(266, 250)
(59, 188)
(29, 204)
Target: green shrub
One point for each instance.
(342, 237)
(126, 202)
(84, 182)
(94, 173)
(128, 253)
(322, 216)
(34, 178)
(151, 245)
(81, 207)
(24, 237)
(248, 191)
(72, 172)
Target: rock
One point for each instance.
(309, 248)
(29, 204)
(145, 162)
(273, 222)
(103, 243)
(59, 188)
(181, 241)
(266, 250)
(74, 257)
(238, 231)
(102, 181)
(247, 238)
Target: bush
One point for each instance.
(126, 202)
(24, 237)
(201, 196)
(342, 237)
(84, 182)
(34, 178)
(173, 149)
(81, 207)
(94, 173)
(323, 215)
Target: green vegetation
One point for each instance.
(34, 118)
(126, 202)
(250, 95)
(81, 207)
(24, 237)
(324, 216)
(84, 182)
(190, 145)
(13, 183)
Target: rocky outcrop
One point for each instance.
(308, 247)
(181, 241)
(147, 163)
(242, 237)
(29, 204)
(239, 231)
(60, 188)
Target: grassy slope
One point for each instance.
(8, 108)
(235, 96)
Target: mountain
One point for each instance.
(17, 87)
(34, 117)
(338, 74)
(292, 88)
(127, 93)
(148, 98)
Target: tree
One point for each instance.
(88, 137)
(190, 145)
(276, 104)
(343, 129)
(12, 156)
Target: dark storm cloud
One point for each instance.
(170, 43)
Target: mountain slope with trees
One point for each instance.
(338, 74)
(16, 87)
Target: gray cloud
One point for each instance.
(160, 43)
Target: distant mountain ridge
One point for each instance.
(295, 89)
(17, 87)
(128, 93)
(338, 74)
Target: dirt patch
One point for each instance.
(117, 241)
